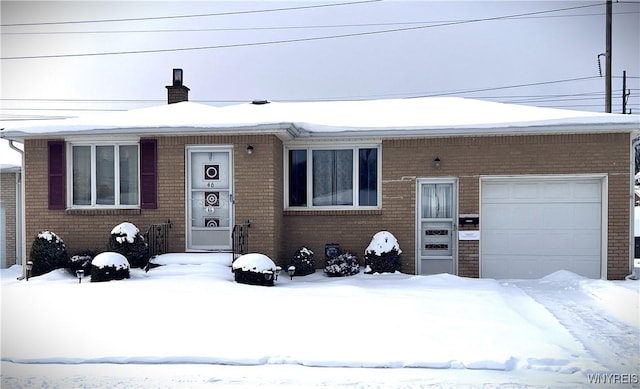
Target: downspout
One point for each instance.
(21, 208)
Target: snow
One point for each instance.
(435, 115)
(254, 262)
(383, 242)
(48, 235)
(190, 327)
(116, 260)
(127, 231)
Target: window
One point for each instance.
(104, 175)
(333, 177)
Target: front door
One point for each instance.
(209, 198)
(437, 228)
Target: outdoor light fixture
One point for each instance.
(80, 274)
(291, 270)
(278, 270)
(437, 163)
(29, 267)
(249, 149)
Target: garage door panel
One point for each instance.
(558, 226)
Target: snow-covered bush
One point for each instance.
(345, 264)
(48, 253)
(81, 261)
(126, 239)
(255, 269)
(304, 262)
(109, 266)
(383, 254)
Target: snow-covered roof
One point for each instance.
(428, 116)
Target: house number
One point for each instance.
(210, 185)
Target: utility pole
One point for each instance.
(624, 92)
(607, 91)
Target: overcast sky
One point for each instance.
(64, 59)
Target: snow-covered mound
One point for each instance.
(254, 262)
(110, 259)
(383, 242)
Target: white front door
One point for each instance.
(209, 198)
(437, 228)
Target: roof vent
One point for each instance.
(260, 102)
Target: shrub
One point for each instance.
(48, 253)
(126, 239)
(81, 261)
(304, 262)
(345, 264)
(109, 266)
(383, 254)
(255, 269)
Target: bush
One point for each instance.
(126, 239)
(81, 261)
(383, 254)
(109, 266)
(255, 269)
(48, 253)
(343, 265)
(304, 262)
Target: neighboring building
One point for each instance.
(468, 187)
(10, 216)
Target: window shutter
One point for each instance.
(57, 167)
(148, 174)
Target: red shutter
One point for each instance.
(57, 168)
(148, 174)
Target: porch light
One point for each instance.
(80, 274)
(291, 270)
(29, 268)
(249, 149)
(437, 163)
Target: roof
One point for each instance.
(428, 116)
(9, 168)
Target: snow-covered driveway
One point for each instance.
(192, 326)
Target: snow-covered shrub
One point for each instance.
(345, 264)
(255, 269)
(126, 239)
(383, 254)
(81, 261)
(109, 266)
(48, 253)
(304, 262)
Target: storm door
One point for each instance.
(437, 229)
(209, 198)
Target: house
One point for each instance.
(10, 215)
(468, 187)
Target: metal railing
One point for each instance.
(158, 238)
(240, 239)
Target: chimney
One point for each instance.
(177, 92)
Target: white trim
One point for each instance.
(69, 174)
(454, 222)
(604, 199)
(310, 147)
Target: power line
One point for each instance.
(297, 40)
(187, 16)
(325, 26)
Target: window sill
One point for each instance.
(331, 212)
(103, 211)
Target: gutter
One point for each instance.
(21, 227)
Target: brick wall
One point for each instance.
(277, 233)
(468, 158)
(8, 201)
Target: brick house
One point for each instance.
(472, 188)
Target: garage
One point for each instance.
(532, 226)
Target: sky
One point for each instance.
(195, 327)
(61, 59)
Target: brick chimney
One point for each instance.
(177, 92)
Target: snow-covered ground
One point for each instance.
(188, 324)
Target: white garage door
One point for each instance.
(534, 226)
